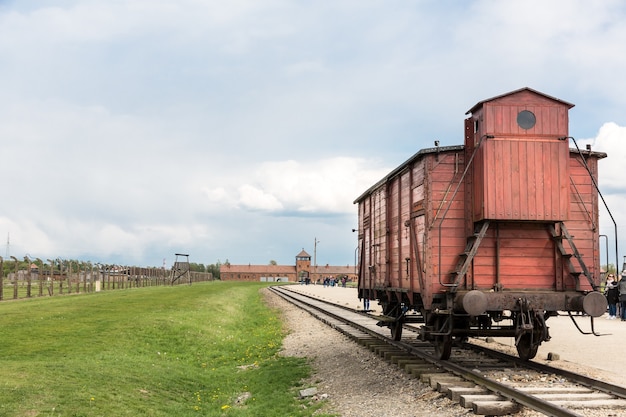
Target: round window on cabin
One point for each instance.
(526, 119)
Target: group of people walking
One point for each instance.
(615, 292)
(332, 281)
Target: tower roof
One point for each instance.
(303, 254)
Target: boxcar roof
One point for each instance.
(399, 169)
(439, 149)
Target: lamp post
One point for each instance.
(315, 255)
(356, 254)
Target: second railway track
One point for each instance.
(486, 381)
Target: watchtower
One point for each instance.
(181, 268)
(303, 265)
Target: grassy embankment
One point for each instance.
(160, 351)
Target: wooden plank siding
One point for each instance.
(394, 232)
(517, 256)
(378, 242)
(445, 234)
(538, 170)
(584, 217)
(501, 116)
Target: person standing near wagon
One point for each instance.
(621, 287)
(612, 295)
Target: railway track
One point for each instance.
(486, 381)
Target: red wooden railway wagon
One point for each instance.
(487, 239)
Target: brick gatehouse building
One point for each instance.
(286, 273)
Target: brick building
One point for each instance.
(286, 273)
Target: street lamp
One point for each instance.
(315, 257)
(315, 253)
(356, 253)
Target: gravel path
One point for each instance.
(354, 382)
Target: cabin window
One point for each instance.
(526, 119)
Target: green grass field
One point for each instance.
(158, 351)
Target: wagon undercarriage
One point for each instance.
(456, 317)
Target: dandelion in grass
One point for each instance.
(225, 407)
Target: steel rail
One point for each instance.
(612, 389)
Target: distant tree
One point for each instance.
(8, 265)
(214, 269)
(194, 267)
(273, 262)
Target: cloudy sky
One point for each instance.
(243, 130)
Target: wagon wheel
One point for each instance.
(526, 349)
(443, 347)
(534, 331)
(443, 343)
(396, 330)
(394, 310)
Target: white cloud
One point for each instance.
(319, 187)
(256, 199)
(611, 139)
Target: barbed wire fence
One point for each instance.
(38, 278)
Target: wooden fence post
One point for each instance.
(1, 278)
(15, 278)
(40, 275)
(69, 277)
(29, 276)
(51, 279)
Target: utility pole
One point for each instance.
(315, 254)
